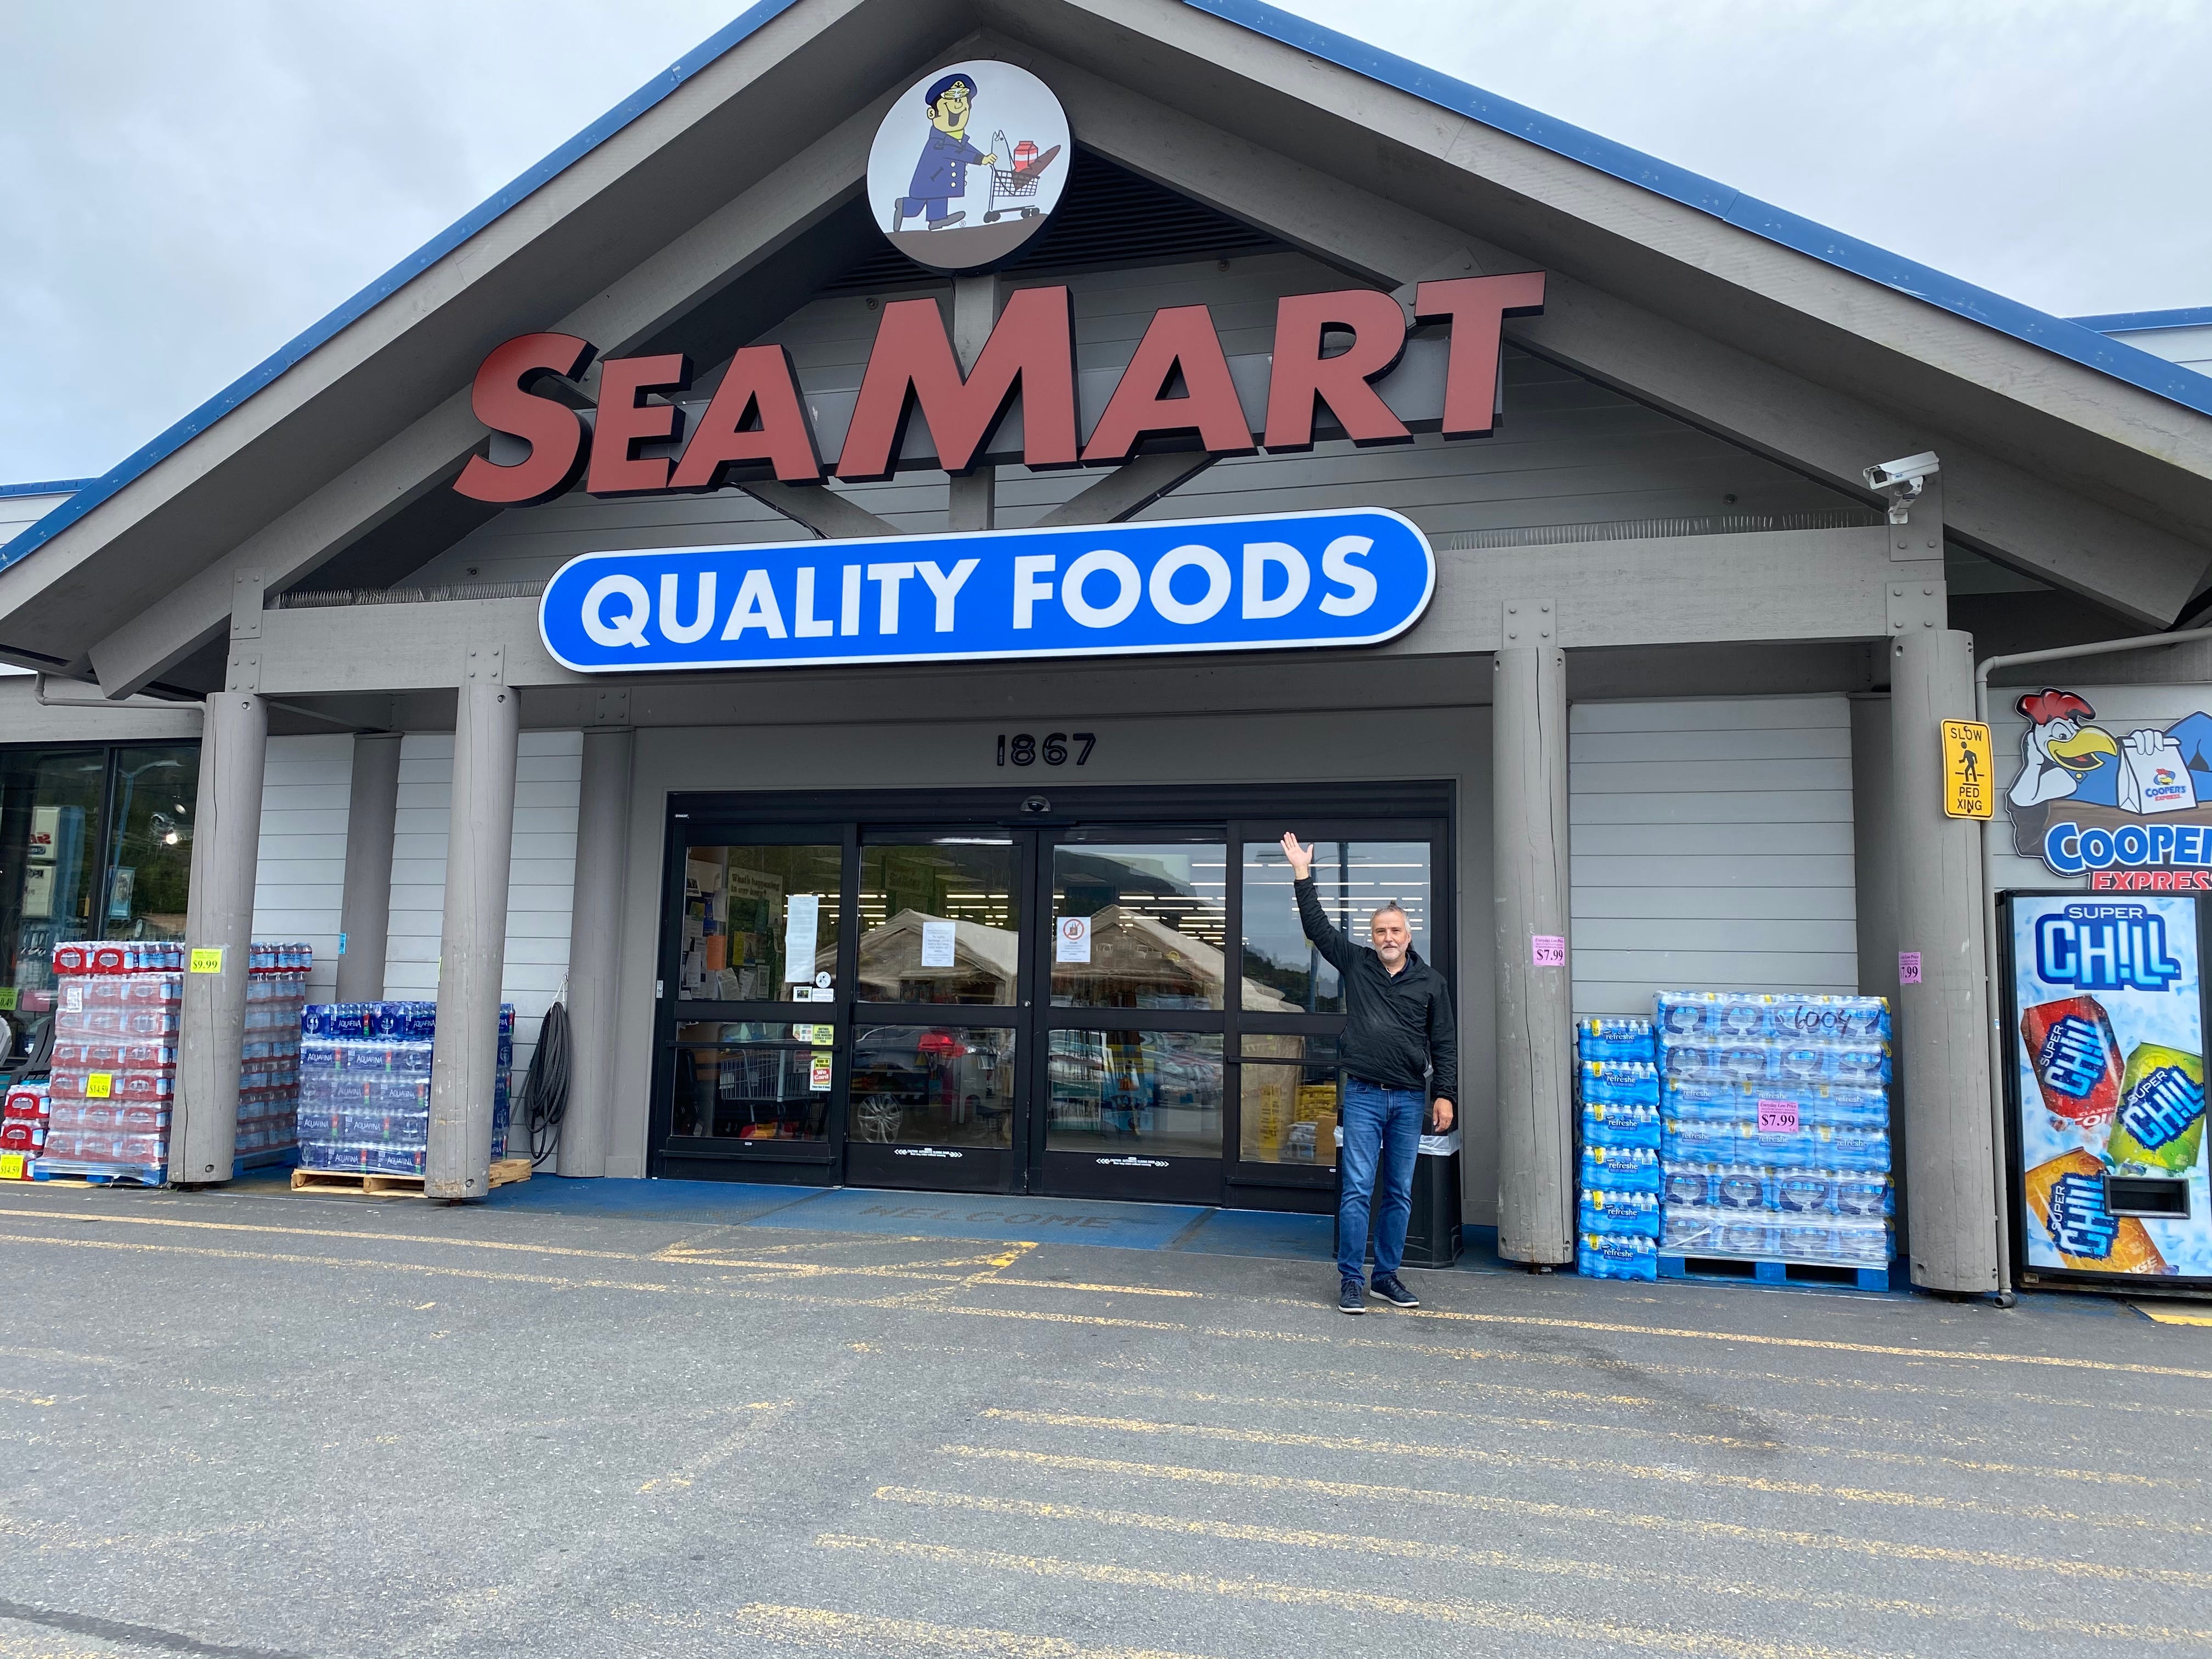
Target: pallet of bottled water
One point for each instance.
(1774, 1145)
(364, 1086)
(1616, 1091)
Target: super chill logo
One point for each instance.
(2105, 947)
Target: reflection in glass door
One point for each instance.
(934, 1084)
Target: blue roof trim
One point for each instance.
(2068, 339)
(93, 492)
(51, 487)
(2136, 322)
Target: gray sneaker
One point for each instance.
(1352, 1296)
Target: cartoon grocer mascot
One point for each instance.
(2066, 758)
(940, 177)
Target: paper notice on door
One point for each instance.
(1071, 939)
(936, 944)
(802, 923)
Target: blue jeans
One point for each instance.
(1382, 1124)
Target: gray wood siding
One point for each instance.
(1569, 451)
(300, 881)
(1711, 849)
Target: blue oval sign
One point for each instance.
(1278, 583)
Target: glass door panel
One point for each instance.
(149, 858)
(1351, 878)
(1139, 925)
(1153, 1093)
(932, 1085)
(761, 923)
(940, 921)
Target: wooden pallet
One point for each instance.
(376, 1183)
(1797, 1275)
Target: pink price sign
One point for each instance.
(1777, 1117)
(1908, 967)
(1547, 950)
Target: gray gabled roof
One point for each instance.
(2078, 340)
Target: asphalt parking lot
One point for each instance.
(236, 1423)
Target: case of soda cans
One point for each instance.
(24, 1121)
(1617, 1086)
(113, 1079)
(365, 1085)
(1775, 1127)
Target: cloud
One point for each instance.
(189, 187)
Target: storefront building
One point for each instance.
(585, 611)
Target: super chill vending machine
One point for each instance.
(2105, 1020)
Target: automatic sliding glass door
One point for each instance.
(935, 1094)
(1133, 1021)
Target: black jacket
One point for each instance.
(1396, 1029)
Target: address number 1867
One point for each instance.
(1053, 749)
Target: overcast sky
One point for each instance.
(185, 187)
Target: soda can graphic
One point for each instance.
(2076, 1059)
(2161, 1121)
(2067, 1196)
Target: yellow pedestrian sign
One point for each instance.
(1966, 789)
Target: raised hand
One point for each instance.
(1300, 857)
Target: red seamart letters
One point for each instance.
(1178, 382)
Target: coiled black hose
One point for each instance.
(545, 1086)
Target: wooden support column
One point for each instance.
(972, 503)
(1535, 1018)
(218, 938)
(365, 907)
(472, 942)
(1941, 1037)
(595, 930)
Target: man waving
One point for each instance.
(1398, 1053)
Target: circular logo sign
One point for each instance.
(969, 165)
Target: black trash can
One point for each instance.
(1433, 1236)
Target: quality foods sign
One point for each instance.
(1282, 582)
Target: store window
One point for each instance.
(760, 923)
(1290, 1089)
(1351, 878)
(94, 843)
(753, 1080)
(1149, 922)
(940, 921)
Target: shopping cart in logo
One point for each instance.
(1014, 176)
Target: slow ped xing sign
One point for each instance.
(1277, 583)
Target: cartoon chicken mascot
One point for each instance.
(2065, 756)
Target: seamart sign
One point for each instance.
(2132, 811)
(1298, 579)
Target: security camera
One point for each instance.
(1903, 481)
(1036, 804)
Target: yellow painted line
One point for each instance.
(760, 1413)
(1519, 1560)
(821, 1627)
(1094, 1321)
(1544, 1424)
(2166, 1316)
(1817, 1344)
(1484, 1615)
(1671, 1472)
(1677, 1524)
